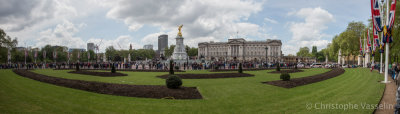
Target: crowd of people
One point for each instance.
(152, 65)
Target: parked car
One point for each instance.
(316, 65)
(328, 66)
(300, 65)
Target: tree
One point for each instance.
(111, 52)
(314, 51)
(169, 51)
(6, 43)
(304, 52)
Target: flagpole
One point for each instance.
(381, 63)
(365, 51)
(387, 45)
(373, 50)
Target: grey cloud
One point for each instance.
(16, 15)
(204, 18)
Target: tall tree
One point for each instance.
(169, 51)
(304, 52)
(314, 51)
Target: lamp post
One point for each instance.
(266, 56)
(187, 58)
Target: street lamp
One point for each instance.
(266, 56)
(187, 58)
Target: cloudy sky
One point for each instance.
(74, 23)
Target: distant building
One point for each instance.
(240, 49)
(64, 48)
(148, 46)
(292, 59)
(162, 44)
(130, 47)
(20, 48)
(79, 49)
(90, 46)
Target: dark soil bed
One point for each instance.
(286, 71)
(208, 76)
(131, 70)
(307, 80)
(145, 91)
(250, 69)
(102, 74)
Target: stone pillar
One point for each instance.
(343, 60)
(326, 59)
(359, 60)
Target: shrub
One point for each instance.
(113, 69)
(278, 68)
(285, 76)
(173, 82)
(176, 67)
(240, 68)
(171, 66)
(216, 67)
(77, 66)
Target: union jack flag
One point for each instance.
(36, 51)
(392, 14)
(369, 42)
(361, 49)
(44, 54)
(376, 39)
(26, 52)
(55, 54)
(376, 15)
(68, 55)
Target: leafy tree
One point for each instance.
(169, 51)
(314, 51)
(304, 52)
(6, 42)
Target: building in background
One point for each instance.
(79, 49)
(240, 49)
(148, 46)
(292, 59)
(90, 46)
(162, 44)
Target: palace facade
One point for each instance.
(240, 49)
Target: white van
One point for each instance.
(316, 65)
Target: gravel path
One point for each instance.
(388, 99)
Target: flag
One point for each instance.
(68, 55)
(387, 35)
(9, 55)
(36, 51)
(368, 42)
(55, 54)
(376, 39)
(376, 15)
(44, 54)
(26, 52)
(361, 49)
(88, 56)
(392, 15)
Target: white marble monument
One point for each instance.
(179, 51)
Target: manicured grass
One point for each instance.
(228, 95)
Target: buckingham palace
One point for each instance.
(240, 49)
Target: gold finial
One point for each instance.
(180, 33)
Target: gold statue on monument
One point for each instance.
(180, 33)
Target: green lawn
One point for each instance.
(228, 95)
